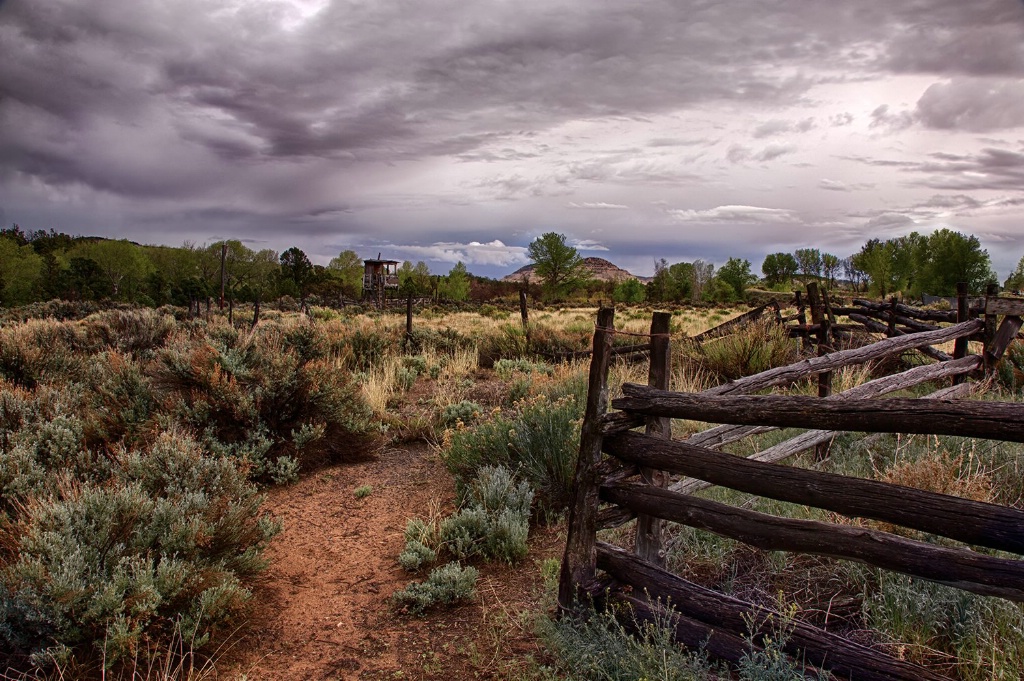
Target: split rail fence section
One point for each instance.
(634, 482)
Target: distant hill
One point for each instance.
(599, 268)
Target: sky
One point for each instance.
(447, 130)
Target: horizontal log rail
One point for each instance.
(992, 420)
(834, 360)
(734, 323)
(967, 570)
(1007, 306)
(972, 522)
(879, 327)
(812, 438)
(721, 435)
(615, 516)
(907, 310)
(818, 647)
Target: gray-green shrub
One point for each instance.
(539, 442)
(466, 412)
(445, 585)
(594, 644)
(494, 520)
(163, 542)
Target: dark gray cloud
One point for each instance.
(976, 104)
(326, 122)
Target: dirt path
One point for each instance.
(321, 611)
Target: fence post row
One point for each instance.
(721, 624)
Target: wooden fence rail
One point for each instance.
(633, 484)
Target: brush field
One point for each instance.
(188, 498)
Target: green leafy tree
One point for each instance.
(415, 279)
(1015, 282)
(296, 271)
(736, 274)
(629, 291)
(809, 261)
(123, 264)
(21, 270)
(456, 284)
(559, 266)
(347, 267)
(953, 257)
(257, 276)
(779, 268)
(830, 265)
(671, 283)
(881, 263)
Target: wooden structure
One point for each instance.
(633, 482)
(379, 278)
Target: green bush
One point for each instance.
(494, 520)
(39, 351)
(539, 443)
(509, 342)
(415, 555)
(465, 412)
(508, 368)
(249, 399)
(100, 567)
(446, 585)
(135, 332)
(369, 348)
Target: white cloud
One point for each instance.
(598, 205)
(589, 245)
(494, 253)
(736, 214)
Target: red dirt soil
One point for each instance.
(322, 611)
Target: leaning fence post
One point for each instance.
(649, 528)
(579, 562)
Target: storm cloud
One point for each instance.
(447, 129)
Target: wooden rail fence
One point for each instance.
(651, 477)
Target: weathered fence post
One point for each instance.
(963, 312)
(819, 318)
(579, 563)
(525, 315)
(649, 528)
(801, 319)
(991, 291)
(891, 329)
(408, 323)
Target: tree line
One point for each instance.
(912, 265)
(40, 265)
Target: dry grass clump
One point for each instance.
(752, 349)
